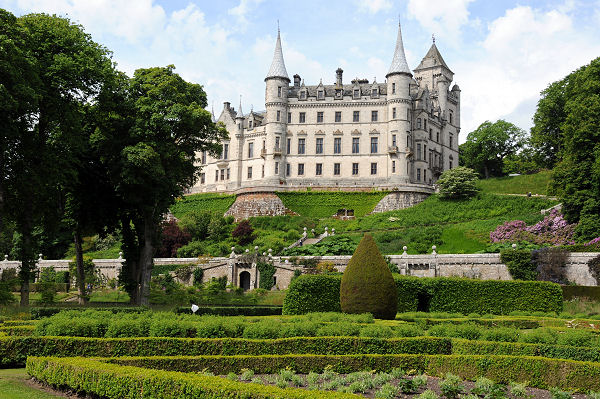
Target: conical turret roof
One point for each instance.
(399, 64)
(240, 114)
(277, 69)
(432, 58)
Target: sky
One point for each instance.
(503, 53)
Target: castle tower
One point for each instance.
(239, 123)
(433, 72)
(399, 79)
(276, 99)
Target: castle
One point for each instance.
(400, 134)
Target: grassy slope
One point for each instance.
(325, 203)
(13, 385)
(202, 202)
(536, 184)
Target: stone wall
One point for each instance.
(256, 204)
(399, 200)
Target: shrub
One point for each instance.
(451, 386)
(6, 295)
(367, 284)
(313, 293)
(267, 271)
(172, 238)
(192, 250)
(196, 223)
(198, 275)
(459, 182)
(519, 264)
(243, 232)
(376, 331)
(503, 334)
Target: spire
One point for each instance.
(277, 69)
(240, 114)
(432, 58)
(212, 113)
(399, 64)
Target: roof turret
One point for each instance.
(240, 114)
(432, 58)
(277, 69)
(399, 64)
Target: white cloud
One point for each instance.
(374, 6)
(525, 50)
(442, 17)
(242, 10)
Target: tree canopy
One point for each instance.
(488, 145)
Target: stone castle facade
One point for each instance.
(400, 134)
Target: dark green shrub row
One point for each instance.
(538, 371)
(318, 293)
(578, 291)
(116, 382)
(46, 311)
(234, 310)
(468, 347)
(14, 350)
(18, 331)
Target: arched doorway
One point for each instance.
(245, 280)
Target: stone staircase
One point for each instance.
(304, 240)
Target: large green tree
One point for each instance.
(577, 174)
(151, 129)
(488, 145)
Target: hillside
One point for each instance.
(523, 184)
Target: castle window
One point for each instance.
(289, 146)
(250, 122)
(216, 175)
(320, 117)
(337, 145)
(430, 133)
(424, 152)
(302, 117)
(393, 113)
(289, 117)
(451, 141)
(320, 95)
(278, 117)
(425, 124)
(263, 171)
(277, 142)
(394, 140)
(338, 93)
(355, 169)
(374, 143)
(356, 116)
(202, 178)
(418, 123)
(228, 173)
(279, 91)
(418, 174)
(450, 165)
(356, 93)
(418, 151)
(250, 150)
(276, 168)
(287, 169)
(437, 137)
(393, 88)
(336, 169)
(407, 140)
(225, 151)
(373, 168)
(249, 172)
(393, 166)
(203, 157)
(373, 116)
(303, 95)
(301, 146)
(222, 174)
(300, 169)
(450, 117)
(355, 145)
(319, 169)
(319, 147)
(425, 175)
(374, 93)
(338, 116)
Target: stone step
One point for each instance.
(310, 241)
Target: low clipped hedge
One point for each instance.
(46, 311)
(15, 350)
(540, 372)
(318, 293)
(112, 381)
(234, 310)
(19, 331)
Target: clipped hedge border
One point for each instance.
(234, 310)
(19, 331)
(113, 381)
(321, 293)
(540, 372)
(46, 311)
(15, 350)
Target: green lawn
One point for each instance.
(13, 385)
(535, 184)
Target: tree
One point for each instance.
(488, 145)
(150, 130)
(243, 232)
(576, 177)
(457, 183)
(367, 284)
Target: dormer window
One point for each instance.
(250, 124)
(303, 95)
(356, 93)
(374, 92)
(320, 95)
(338, 93)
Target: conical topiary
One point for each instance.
(367, 284)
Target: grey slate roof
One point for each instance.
(399, 64)
(277, 69)
(432, 58)
(365, 89)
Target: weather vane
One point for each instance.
(433, 37)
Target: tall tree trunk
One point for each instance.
(146, 260)
(27, 258)
(486, 171)
(130, 266)
(80, 268)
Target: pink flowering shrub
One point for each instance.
(553, 230)
(594, 242)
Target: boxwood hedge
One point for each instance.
(319, 293)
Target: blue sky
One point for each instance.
(503, 53)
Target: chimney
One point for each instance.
(338, 77)
(296, 80)
(226, 105)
